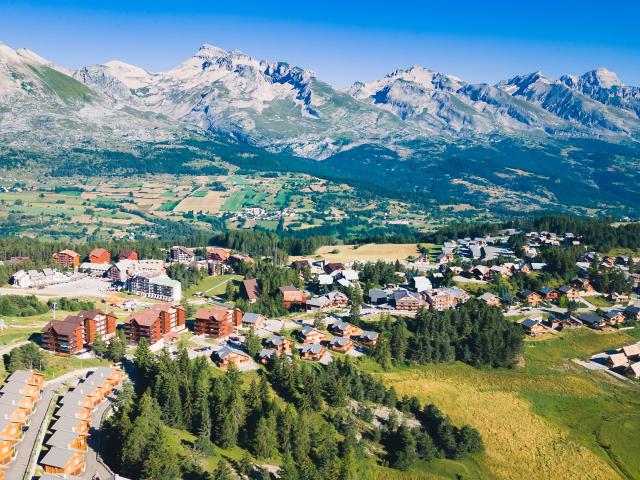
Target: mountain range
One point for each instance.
(478, 137)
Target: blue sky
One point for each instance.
(342, 41)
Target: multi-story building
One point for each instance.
(67, 258)
(124, 270)
(218, 253)
(97, 322)
(181, 254)
(99, 255)
(217, 321)
(65, 337)
(157, 287)
(152, 323)
(128, 255)
(293, 297)
(71, 335)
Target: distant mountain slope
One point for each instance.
(43, 108)
(273, 105)
(526, 143)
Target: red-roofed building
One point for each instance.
(69, 336)
(99, 255)
(293, 297)
(65, 337)
(218, 253)
(67, 258)
(218, 321)
(154, 322)
(128, 255)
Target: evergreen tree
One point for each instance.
(265, 439)
(117, 347)
(288, 471)
(99, 346)
(252, 343)
(223, 471)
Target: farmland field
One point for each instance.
(388, 252)
(551, 419)
(210, 202)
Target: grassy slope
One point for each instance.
(551, 419)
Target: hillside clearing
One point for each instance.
(370, 252)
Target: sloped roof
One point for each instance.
(251, 288)
(58, 457)
(62, 439)
(217, 312)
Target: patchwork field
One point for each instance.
(551, 419)
(108, 207)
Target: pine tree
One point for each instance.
(264, 440)
(252, 343)
(117, 347)
(289, 470)
(229, 291)
(223, 471)
(99, 346)
(285, 423)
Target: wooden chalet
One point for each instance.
(333, 267)
(341, 344)
(632, 352)
(311, 335)
(71, 424)
(560, 323)
(532, 298)
(26, 377)
(490, 299)
(345, 329)
(633, 371)
(569, 292)
(18, 400)
(11, 429)
(533, 326)
(253, 320)
(74, 411)
(632, 313)
(549, 294)
(7, 449)
(582, 284)
(312, 351)
(614, 317)
(14, 413)
(279, 344)
(368, 338)
(594, 321)
(226, 355)
(617, 360)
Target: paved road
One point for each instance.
(93, 465)
(7, 348)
